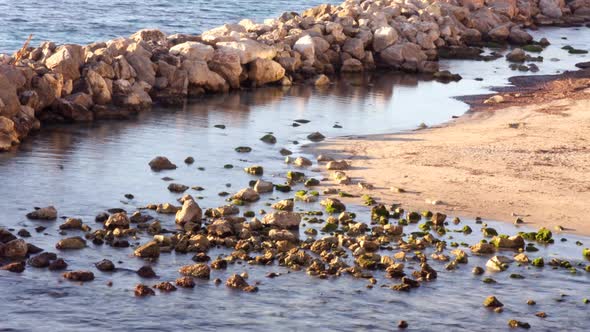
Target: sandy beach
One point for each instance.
(526, 157)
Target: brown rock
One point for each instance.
(143, 290)
(79, 276)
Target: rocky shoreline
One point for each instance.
(124, 76)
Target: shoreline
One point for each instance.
(493, 162)
(119, 78)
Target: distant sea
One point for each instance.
(84, 21)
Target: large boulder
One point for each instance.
(9, 102)
(306, 47)
(67, 61)
(8, 135)
(383, 38)
(15, 249)
(48, 87)
(263, 71)
(226, 62)
(140, 59)
(193, 51)
(249, 50)
(354, 47)
(507, 8)
(149, 35)
(408, 55)
(101, 94)
(190, 212)
(551, 8)
(200, 75)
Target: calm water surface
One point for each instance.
(86, 169)
(84, 21)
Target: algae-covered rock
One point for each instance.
(538, 262)
(544, 235)
(333, 205)
(513, 242)
(269, 138)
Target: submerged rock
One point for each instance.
(79, 276)
(46, 213)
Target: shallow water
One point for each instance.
(86, 169)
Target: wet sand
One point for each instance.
(527, 157)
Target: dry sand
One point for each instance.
(528, 157)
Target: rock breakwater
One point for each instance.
(124, 76)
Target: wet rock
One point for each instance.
(264, 71)
(148, 250)
(165, 287)
(269, 138)
(16, 267)
(337, 165)
(238, 282)
(516, 55)
(185, 282)
(302, 162)
(321, 80)
(117, 220)
(513, 242)
(284, 205)
(161, 163)
(189, 213)
(82, 276)
(58, 265)
(146, 272)
(285, 152)
(247, 195)
(46, 213)
(72, 223)
(402, 324)
(282, 219)
(262, 186)
(513, 323)
(143, 290)
(6, 236)
(105, 265)
(189, 160)
(167, 208)
(254, 170)
(492, 302)
(42, 260)
(101, 217)
(14, 249)
(498, 263)
(333, 205)
(201, 271)
(483, 248)
(177, 188)
(71, 243)
(316, 137)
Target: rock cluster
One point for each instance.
(120, 77)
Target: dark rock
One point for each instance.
(143, 290)
(79, 276)
(17, 267)
(58, 265)
(105, 265)
(146, 272)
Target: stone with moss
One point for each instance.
(368, 200)
(543, 235)
(282, 188)
(269, 138)
(586, 252)
(538, 262)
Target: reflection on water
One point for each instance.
(86, 169)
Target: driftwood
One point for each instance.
(18, 55)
